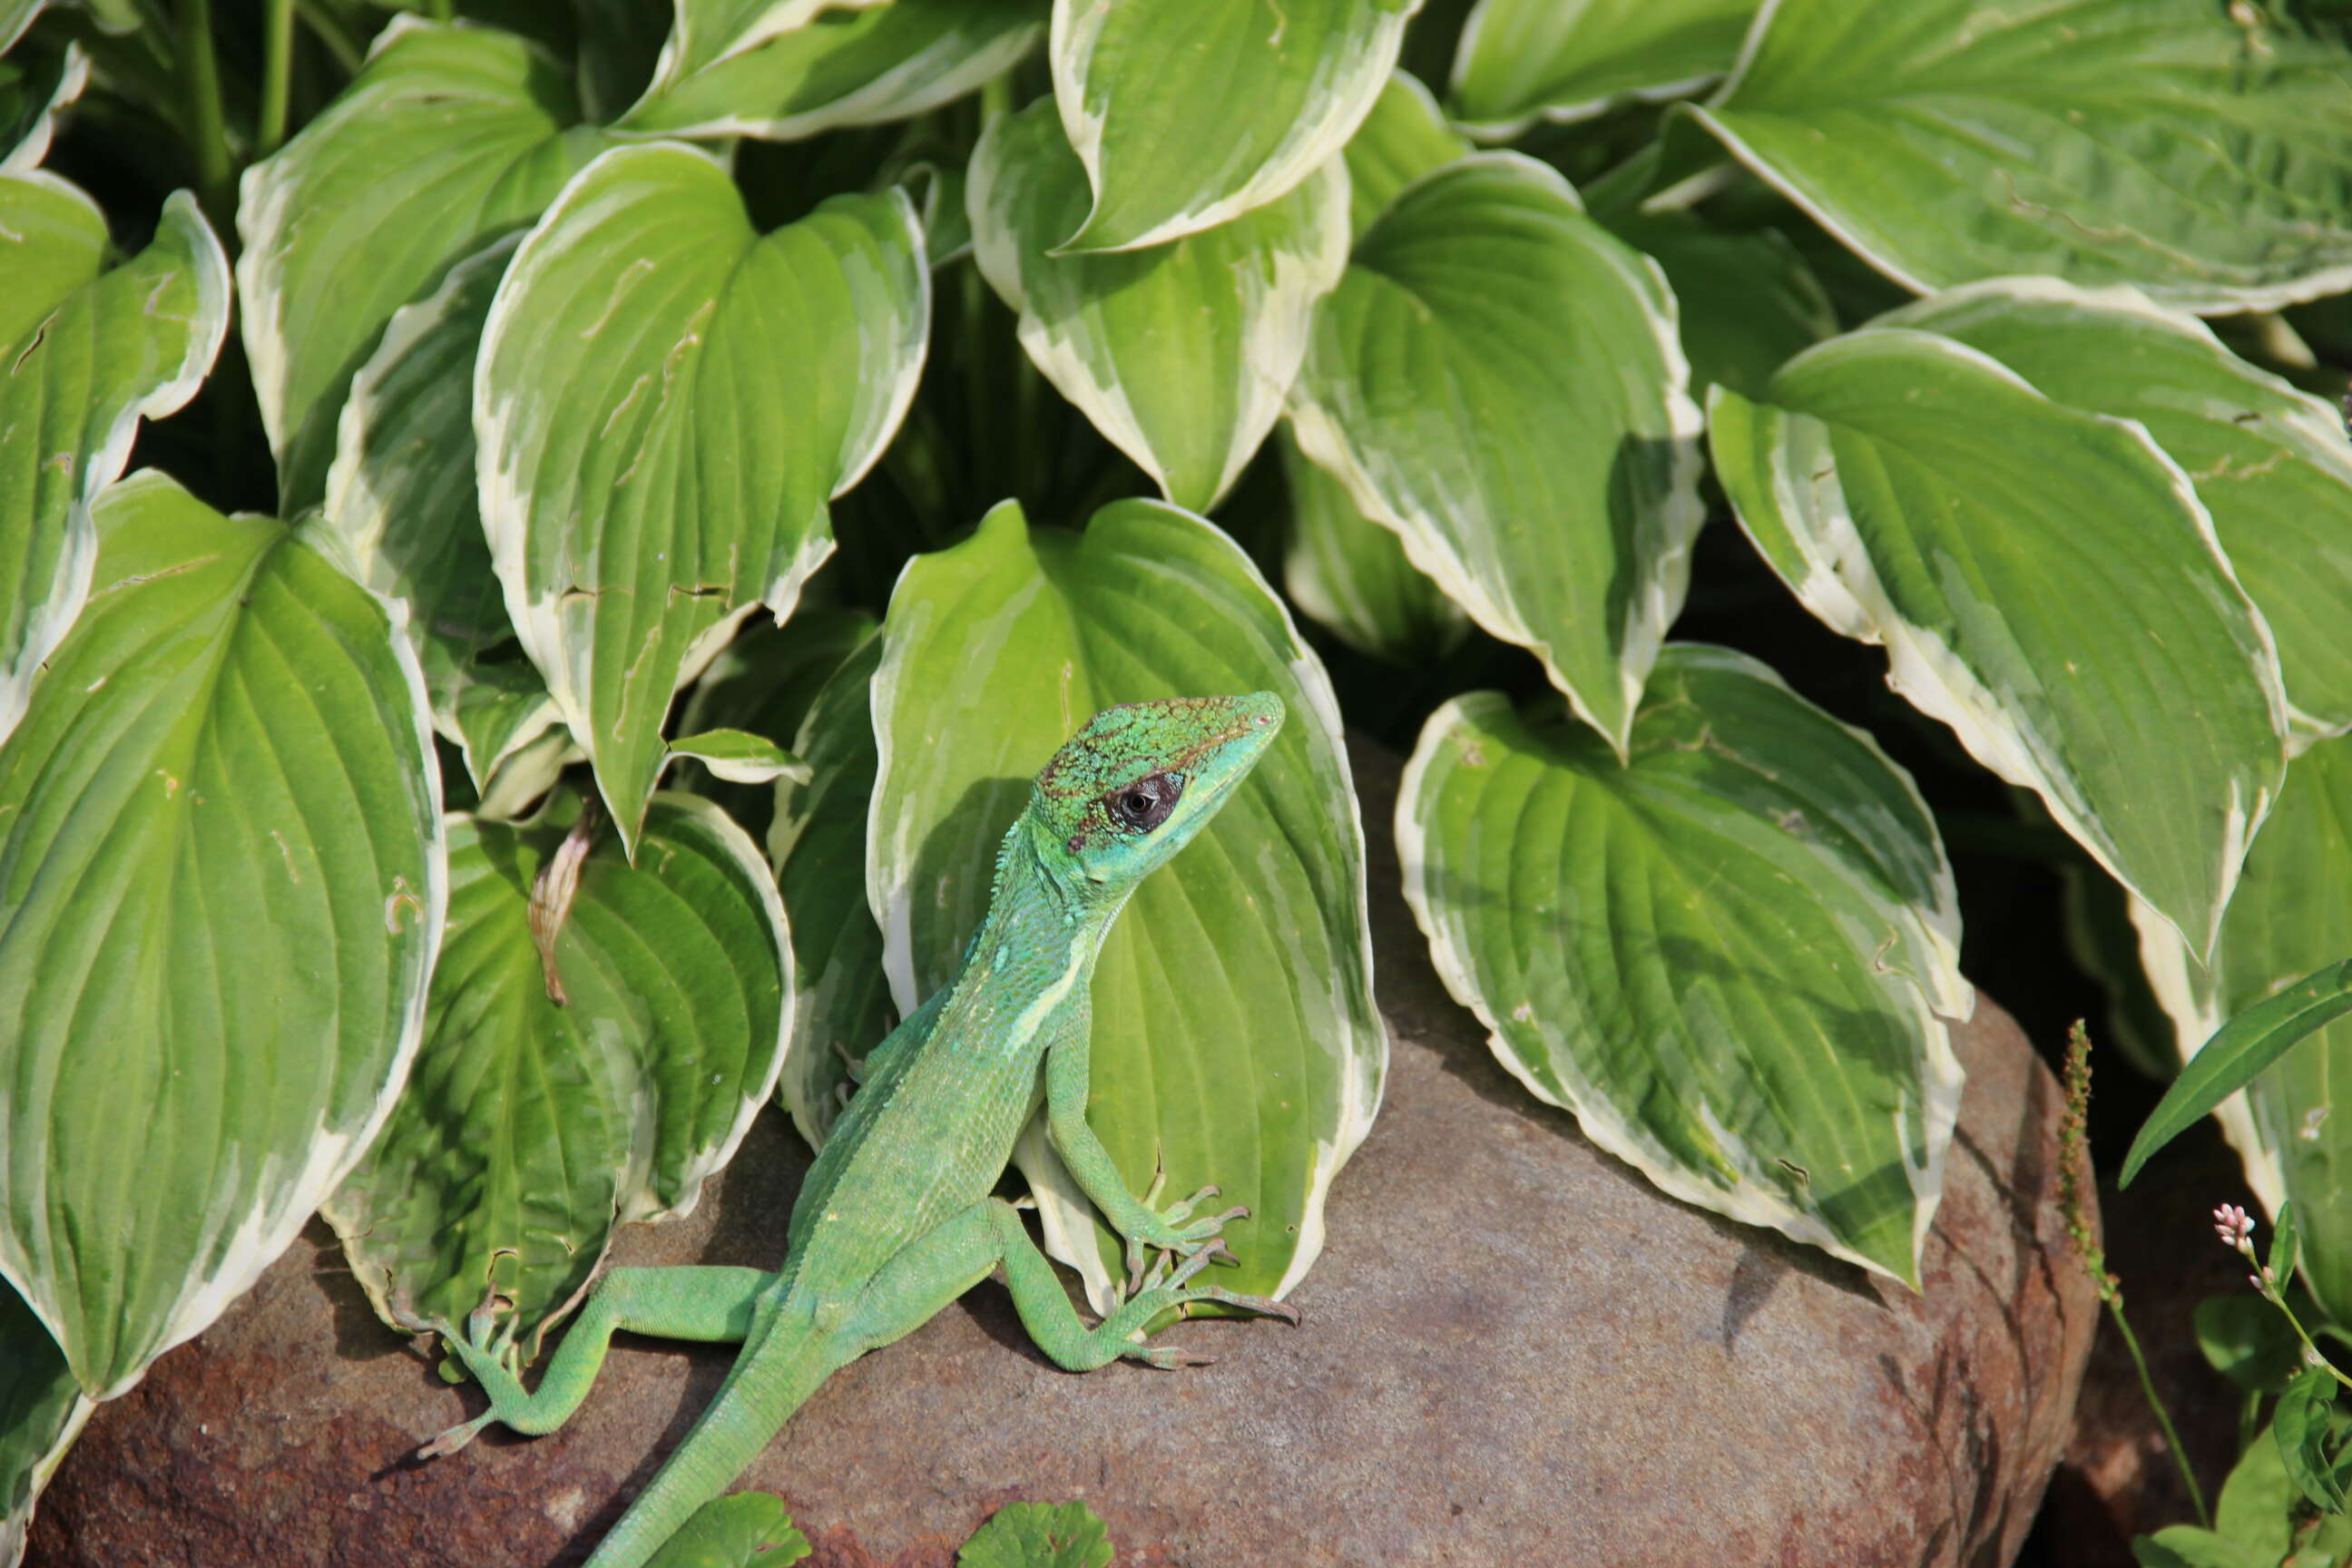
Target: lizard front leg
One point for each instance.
(1173, 1228)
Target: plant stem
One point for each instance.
(2074, 1165)
(277, 75)
(445, 10)
(331, 32)
(207, 125)
(2163, 1417)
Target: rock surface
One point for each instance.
(1516, 1350)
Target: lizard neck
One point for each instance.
(1045, 920)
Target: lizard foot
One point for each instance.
(1176, 1231)
(457, 1437)
(1163, 1291)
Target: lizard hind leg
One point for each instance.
(706, 1304)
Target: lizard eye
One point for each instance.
(1145, 804)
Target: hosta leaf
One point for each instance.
(1497, 379)
(401, 492)
(2192, 148)
(1731, 959)
(1750, 303)
(29, 106)
(1349, 574)
(1403, 138)
(666, 401)
(451, 136)
(41, 1412)
(2270, 463)
(705, 33)
(221, 885)
(738, 756)
(1179, 354)
(765, 681)
(530, 1129)
(1292, 80)
(841, 997)
(1571, 59)
(2044, 582)
(91, 350)
(1234, 1034)
(2291, 916)
(845, 68)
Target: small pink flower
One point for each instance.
(2236, 1226)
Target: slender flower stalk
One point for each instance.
(2236, 1226)
(2074, 1168)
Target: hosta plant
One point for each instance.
(538, 546)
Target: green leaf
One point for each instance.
(1731, 958)
(91, 351)
(2192, 148)
(861, 66)
(1349, 574)
(2270, 463)
(2254, 1510)
(450, 137)
(666, 401)
(221, 886)
(1235, 1038)
(2016, 558)
(2280, 1264)
(743, 1529)
(1403, 138)
(529, 1128)
(2249, 1342)
(2300, 1425)
(1292, 80)
(1038, 1535)
(1572, 59)
(1497, 379)
(2186, 1546)
(2237, 1054)
(41, 1412)
(1749, 304)
(401, 492)
(2278, 977)
(739, 757)
(842, 997)
(765, 681)
(30, 107)
(704, 33)
(1179, 354)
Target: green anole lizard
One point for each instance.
(898, 1217)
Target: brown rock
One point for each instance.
(1516, 1350)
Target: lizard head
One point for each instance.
(1138, 781)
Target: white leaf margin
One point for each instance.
(507, 504)
(1273, 340)
(267, 1229)
(33, 146)
(1841, 588)
(70, 586)
(912, 87)
(1077, 27)
(1571, 113)
(1947, 995)
(1648, 611)
(2222, 301)
(2314, 430)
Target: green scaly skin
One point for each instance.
(898, 1217)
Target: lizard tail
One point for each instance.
(750, 1408)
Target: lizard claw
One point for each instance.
(457, 1437)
